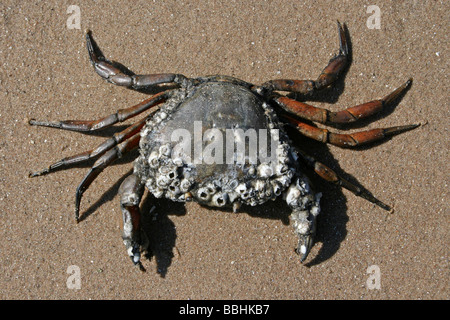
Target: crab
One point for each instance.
(210, 108)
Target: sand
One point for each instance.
(210, 254)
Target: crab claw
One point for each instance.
(304, 223)
(305, 210)
(134, 251)
(305, 243)
(305, 228)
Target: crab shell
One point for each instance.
(221, 106)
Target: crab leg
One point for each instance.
(120, 116)
(131, 191)
(329, 175)
(327, 77)
(98, 151)
(108, 71)
(104, 161)
(351, 114)
(348, 140)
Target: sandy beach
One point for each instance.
(361, 251)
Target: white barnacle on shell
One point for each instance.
(174, 195)
(293, 195)
(260, 186)
(153, 160)
(302, 227)
(283, 159)
(284, 180)
(211, 188)
(281, 169)
(204, 194)
(241, 188)
(162, 115)
(164, 169)
(220, 199)
(150, 184)
(233, 184)
(268, 191)
(162, 181)
(156, 119)
(185, 185)
(144, 133)
(165, 150)
(282, 149)
(289, 174)
(172, 174)
(277, 188)
(232, 196)
(265, 170)
(174, 188)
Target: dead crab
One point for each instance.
(218, 106)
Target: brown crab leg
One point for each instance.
(348, 115)
(347, 140)
(327, 77)
(329, 175)
(120, 116)
(104, 161)
(114, 75)
(98, 151)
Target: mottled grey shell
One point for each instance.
(218, 105)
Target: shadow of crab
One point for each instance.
(160, 230)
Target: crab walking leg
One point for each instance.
(327, 77)
(98, 151)
(329, 175)
(348, 140)
(104, 161)
(352, 114)
(114, 75)
(130, 193)
(120, 116)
